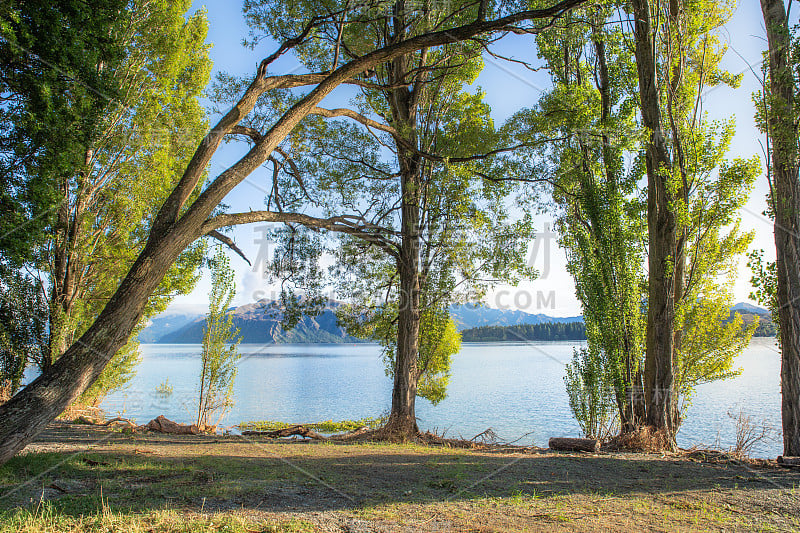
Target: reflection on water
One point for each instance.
(516, 389)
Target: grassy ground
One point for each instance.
(78, 478)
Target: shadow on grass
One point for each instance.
(216, 474)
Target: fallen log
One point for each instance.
(164, 425)
(788, 461)
(87, 421)
(574, 445)
(118, 420)
(299, 430)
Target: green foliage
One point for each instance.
(447, 217)
(765, 284)
(164, 390)
(581, 132)
(220, 353)
(709, 345)
(439, 340)
(134, 130)
(23, 326)
(590, 393)
(327, 426)
(54, 98)
(552, 331)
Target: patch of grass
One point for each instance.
(47, 518)
(326, 426)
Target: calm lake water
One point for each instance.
(515, 389)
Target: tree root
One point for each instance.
(644, 439)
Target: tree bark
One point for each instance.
(786, 198)
(403, 102)
(402, 417)
(658, 373)
(30, 410)
(573, 445)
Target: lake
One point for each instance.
(517, 389)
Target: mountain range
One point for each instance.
(259, 323)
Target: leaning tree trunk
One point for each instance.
(29, 411)
(786, 199)
(658, 373)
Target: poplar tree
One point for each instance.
(220, 339)
(591, 117)
(779, 119)
(146, 122)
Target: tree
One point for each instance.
(23, 328)
(589, 392)
(55, 79)
(709, 346)
(145, 131)
(438, 228)
(52, 95)
(687, 206)
(149, 130)
(590, 118)
(584, 128)
(220, 339)
(663, 250)
(780, 124)
(179, 224)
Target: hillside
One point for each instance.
(259, 323)
(552, 331)
(469, 316)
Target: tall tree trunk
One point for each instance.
(658, 373)
(403, 104)
(67, 263)
(402, 418)
(786, 198)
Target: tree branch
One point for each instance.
(229, 243)
(349, 113)
(258, 154)
(342, 224)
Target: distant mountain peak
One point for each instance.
(750, 308)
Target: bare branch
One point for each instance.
(227, 241)
(344, 112)
(350, 225)
(253, 133)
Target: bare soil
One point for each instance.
(331, 486)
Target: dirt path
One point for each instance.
(267, 485)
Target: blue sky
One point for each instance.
(508, 88)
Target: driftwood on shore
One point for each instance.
(165, 425)
(574, 445)
(298, 430)
(85, 420)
